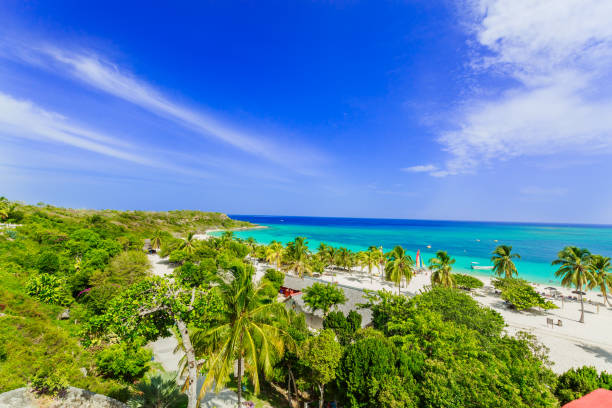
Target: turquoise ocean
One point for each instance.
(538, 244)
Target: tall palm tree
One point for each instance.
(441, 267)
(600, 267)
(274, 253)
(188, 243)
(327, 254)
(246, 332)
(399, 265)
(502, 261)
(382, 261)
(227, 236)
(297, 254)
(156, 240)
(344, 258)
(4, 208)
(369, 259)
(574, 269)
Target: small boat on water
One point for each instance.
(476, 266)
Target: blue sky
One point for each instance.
(481, 110)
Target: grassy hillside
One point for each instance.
(57, 258)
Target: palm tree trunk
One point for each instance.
(240, 377)
(581, 305)
(321, 392)
(192, 369)
(289, 389)
(605, 294)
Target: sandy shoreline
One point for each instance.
(572, 344)
(206, 235)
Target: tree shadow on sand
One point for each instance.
(597, 351)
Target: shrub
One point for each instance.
(193, 275)
(521, 294)
(322, 297)
(95, 259)
(576, 382)
(123, 361)
(160, 390)
(48, 262)
(277, 278)
(467, 282)
(49, 289)
(49, 380)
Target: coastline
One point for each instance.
(207, 233)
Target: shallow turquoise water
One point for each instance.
(538, 244)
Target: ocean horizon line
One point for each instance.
(533, 223)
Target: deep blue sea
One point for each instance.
(538, 244)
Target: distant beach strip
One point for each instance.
(468, 242)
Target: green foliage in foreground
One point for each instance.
(455, 351)
(577, 382)
(463, 281)
(79, 258)
(48, 381)
(124, 361)
(323, 297)
(521, 294)
(49, 289)
(159, 391)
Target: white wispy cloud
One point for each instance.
(100, 73)
(558, 55)
(22, 119)
(424, 168)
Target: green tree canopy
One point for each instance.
(322, 355)
(323, 297)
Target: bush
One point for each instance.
(48, 262)
(123, 361)
(467, 282)
(160, 390)
(193, 275)
(322, 297)
(49, 289)
(49, 380)
(521, 294)
(277, 278)
(576, 382)
(343, 327)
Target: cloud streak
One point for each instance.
(22, 119)
(557, 54)
(101, 74)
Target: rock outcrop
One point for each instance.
(72, 398)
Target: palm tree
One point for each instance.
(297, 253)
(274, 253)
(156, 241)
(344, 258)
(158, 391)
(227, 236)
(502, 261)
(327, 253)
(574, 269)
(399, 265)
(245, 332)
(382, 261)
(370, 259)
(442, 266)
(4, 208)
(600, 267)
(188, 243)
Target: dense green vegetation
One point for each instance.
(82, 259)
(439, 348)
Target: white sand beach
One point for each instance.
(571, 345)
